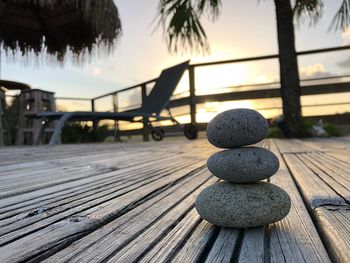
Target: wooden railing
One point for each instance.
(258, 93)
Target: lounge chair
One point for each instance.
(149, 111)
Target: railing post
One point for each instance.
(192, 94)
(116, 123)
(92, 105)
(145, 130)
(94, 123)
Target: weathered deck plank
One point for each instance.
(99, 180)
(59, 172)
(124, 233)
(315, 191)
(135, 202)
(295, 238)
(90, 215)
(334, 225)
(123, 186)
(196, 247)
(225, 245)
(324, 182)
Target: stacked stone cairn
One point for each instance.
(242, 199)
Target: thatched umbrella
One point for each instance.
(50, 26)
(13, 85)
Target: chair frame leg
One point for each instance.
(58, 129)
(39, 138)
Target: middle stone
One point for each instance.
(243, 165)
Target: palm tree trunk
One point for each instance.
(289, 75)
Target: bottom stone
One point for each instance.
(243, 205)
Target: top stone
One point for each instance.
(237, 127)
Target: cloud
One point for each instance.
(129, 98)
(346, 41)
(346, 36)
(315, 71)
(96, 71)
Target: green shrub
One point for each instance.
(306, 130)
(307, 125)
(75, 132)
(275, 132)
(331, 130)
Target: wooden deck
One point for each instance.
(134, 202)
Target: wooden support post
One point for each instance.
(2, 113)
(32, 102)
(146, 129)
(192, 94)
(116, 123)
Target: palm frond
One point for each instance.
(211, 6)
(181, 23)
(311, 10)
(342, 19)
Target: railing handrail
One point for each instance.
(273, 56)
(280, 107)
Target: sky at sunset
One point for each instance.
(244, 29)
